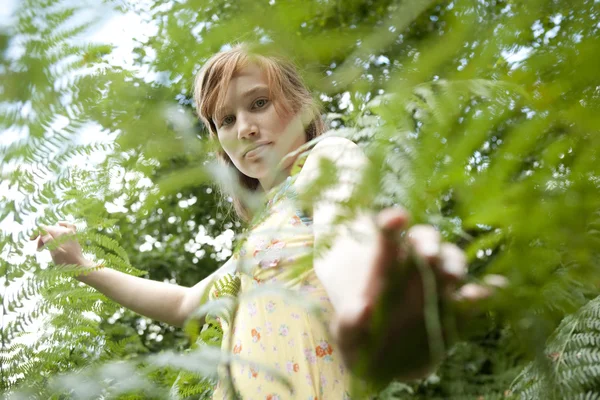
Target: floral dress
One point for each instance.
(279, 333)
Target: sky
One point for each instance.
(6, 11)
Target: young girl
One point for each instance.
(261, 113)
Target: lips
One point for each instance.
(256, 150)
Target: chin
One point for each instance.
(255, 173)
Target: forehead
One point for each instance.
(244, 79)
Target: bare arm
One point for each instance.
(160, 301)
(341, 286)
(198, 294)
(153, 299)
(357, 264)
(157, 300)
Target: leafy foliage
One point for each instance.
(480, 117)
(570, 366)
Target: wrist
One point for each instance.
(85, 263)
(85, 267)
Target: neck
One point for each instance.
(271, 181)
(281, 172)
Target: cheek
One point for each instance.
(286, 128)
(232, 162)
(227, 144)
(294, 129)
(231, 152)
(277, 116)
(286, 117)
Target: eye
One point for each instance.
(228, 120)
(260, 103)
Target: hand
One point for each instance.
(69, 252)
(397, 332)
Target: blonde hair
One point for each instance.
(286, 88)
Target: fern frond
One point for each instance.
(572, 364)
(228, 285)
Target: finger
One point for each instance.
(68, 225)
(43, 240)
(390, 222)
(34, 235)
(49, 230)
(392, 219)
(451, 268)
(55, 230)
(426, 242)
(473, 292)
(469, 296)
(496, 281)
(453, 262)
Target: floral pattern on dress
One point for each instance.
(278, 334)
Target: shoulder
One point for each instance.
(334, 145)
(344, 154)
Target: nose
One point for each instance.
(247, 127)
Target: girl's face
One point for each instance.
(253, 134)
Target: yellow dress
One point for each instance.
(279, 332)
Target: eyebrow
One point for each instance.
(252, 91)
(255, 89)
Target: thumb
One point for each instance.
(390, 222)
(36, 232)
(391, 219)
(43, 239)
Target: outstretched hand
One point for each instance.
(398, 329)
(68, 252)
